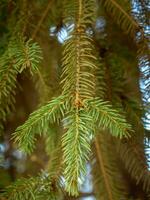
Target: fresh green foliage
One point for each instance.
(94, 116)
(20, 55)
(27, 55)
(108, 118)
(78, 64)
(35, 188)
(39, 122)
(76, 146)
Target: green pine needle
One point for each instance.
(108, 118)
(76, 147)
(38, 122)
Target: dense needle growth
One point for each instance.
(88, 94)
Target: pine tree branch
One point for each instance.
(135, 163)
(108, 118)
(33, 188)
(122, 17)
(76, 147)
(18, 56)
(38, 122)
(125, 13)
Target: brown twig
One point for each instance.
(41, 20)
(102, 167)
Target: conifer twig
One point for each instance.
(125, 13)
(129, 17)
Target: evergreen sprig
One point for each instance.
(19, 55)
(108, 118)
(76, 146)
(79, 61)
(28, 55)
(134, 159)
(124, 20)
(77, 106)
(78, 110)
(34, 188)
(38, 122)
(78, 64)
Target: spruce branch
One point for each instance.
(126, 21)
(77, 105)
(34, 188)
(29, 56)
(78, 64)
(77, 78)
(77, 108)
(38, 122)
(19, 55)
(76, 146)
(135, 163)
(108, 118)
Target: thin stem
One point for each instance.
(101, 163)
(41, 20)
